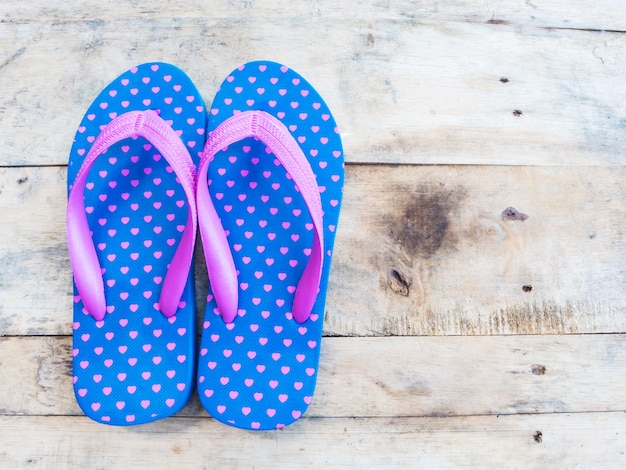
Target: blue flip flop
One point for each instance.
(269, 192)
(131, 225)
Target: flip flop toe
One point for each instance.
(131, 225)
(269, 193)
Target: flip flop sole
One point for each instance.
(136, 365)
(259, 372)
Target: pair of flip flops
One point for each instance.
(260, 176)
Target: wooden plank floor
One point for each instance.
(476, 315)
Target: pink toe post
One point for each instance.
(219, 260)
(83, 257)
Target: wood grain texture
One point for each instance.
(512, 442)
(420, 251)
(476, 314)
(605, 14)
(385, 377)
(434, 250)
(435, 86)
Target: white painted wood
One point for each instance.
(466, 269)
(402, 91)
(589, 440)
(385, 377)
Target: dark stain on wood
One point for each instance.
(407, 315)
(511, 213)
(496, 21)
(55, 357)
(64, 354)
(538, 318)
(538, 369)
(527, 288)
(22, 180)
(504, 80)
(517, 112)
(538, 437)
(414, 387)
(420, 226)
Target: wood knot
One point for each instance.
(398, 281)
(538, 370)
(511, 213)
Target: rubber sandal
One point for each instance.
(269, 191)
(131, 227)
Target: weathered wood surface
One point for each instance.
(589, 440)
(420, 250)
(451, 92)
(575, 14)
(476, 310)
(385, 377)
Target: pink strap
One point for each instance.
(83, 257)
(219, 260)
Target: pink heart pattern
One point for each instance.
(259, 372)
(136, 365)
